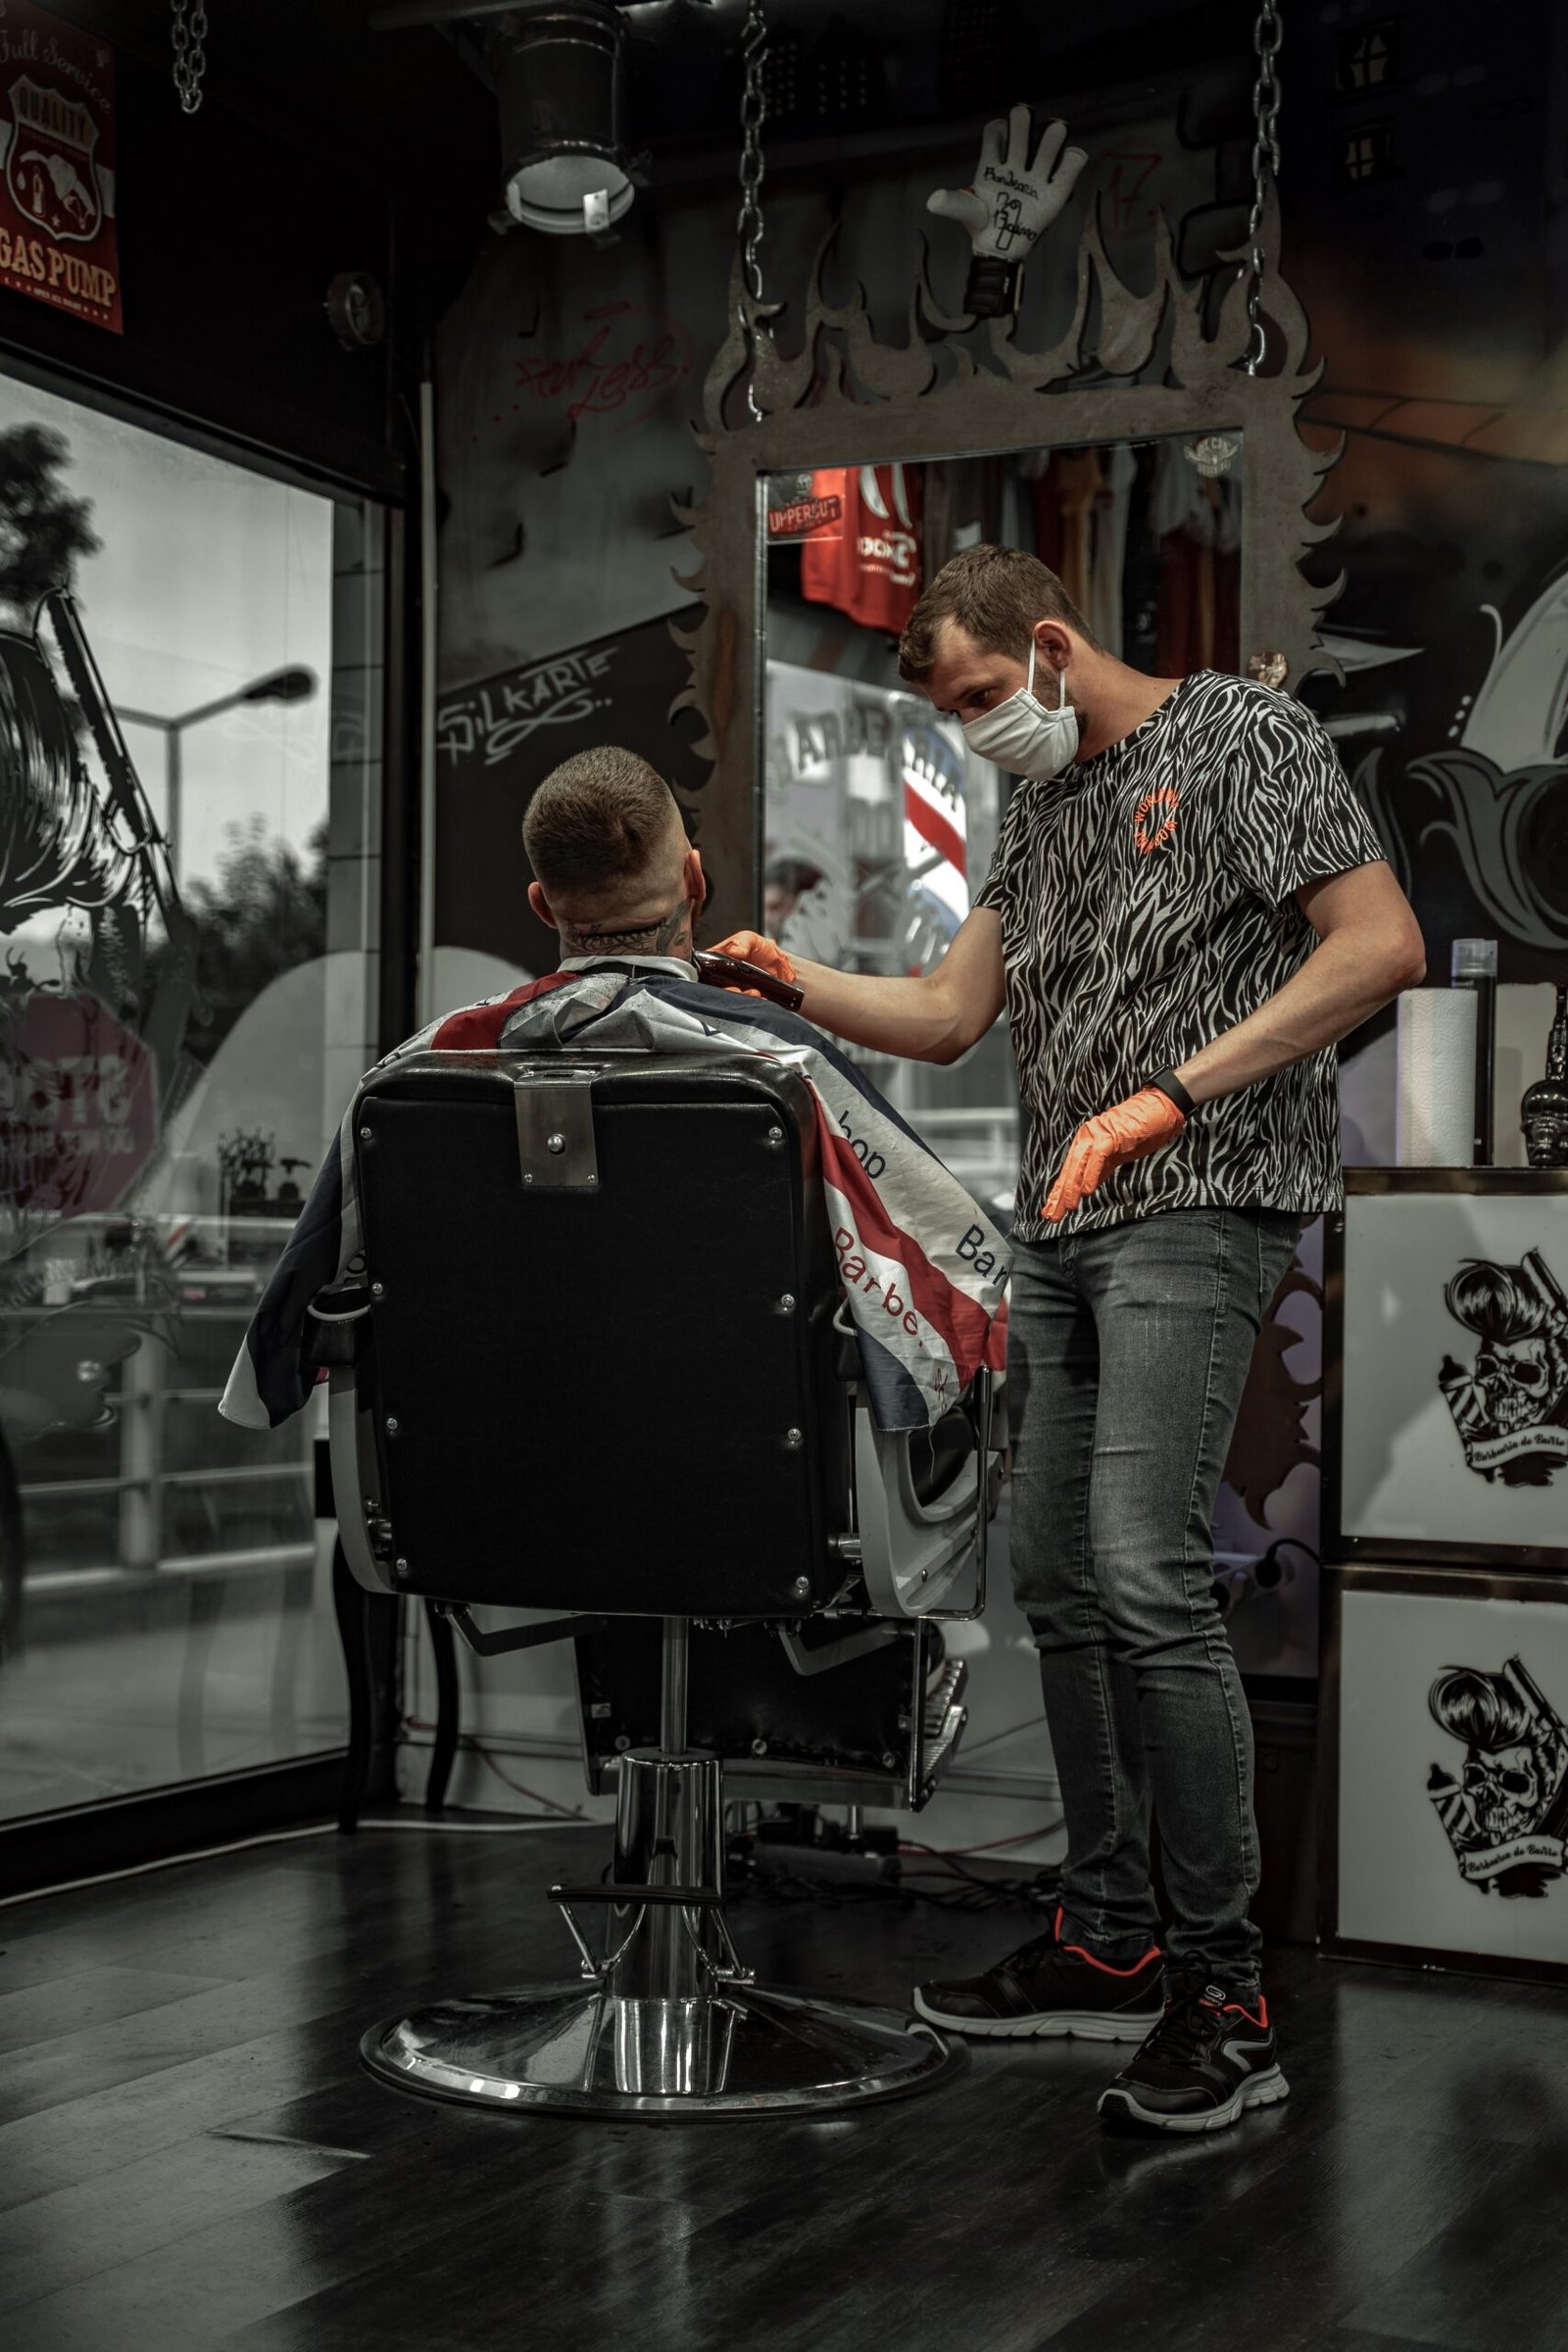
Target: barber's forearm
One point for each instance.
(913, 1019)
(1340, 985)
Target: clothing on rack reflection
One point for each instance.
(867, 561)
(1082, 505)
(963, 499)
(1197, 522)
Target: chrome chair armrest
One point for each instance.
(913, 1552)
(351, 1445)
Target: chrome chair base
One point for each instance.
(583, 2050)
(665, 2021)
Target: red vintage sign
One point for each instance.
(807, 519)
(79, 1115)
(58, 240)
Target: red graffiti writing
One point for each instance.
(628, 360)
(1126, 179)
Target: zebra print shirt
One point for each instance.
(1146, 906)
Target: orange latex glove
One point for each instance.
(752, 947)
(1146, 1122)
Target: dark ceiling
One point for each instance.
(385, 102)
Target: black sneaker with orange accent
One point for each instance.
(1212, 2056)
(1055, 1990)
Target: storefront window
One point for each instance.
(190, 794)
(879, 822)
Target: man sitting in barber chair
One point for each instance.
(922, 1269)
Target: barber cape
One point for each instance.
(923, 1271)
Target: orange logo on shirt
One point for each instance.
(1154, 820)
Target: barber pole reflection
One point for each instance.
(935, 844)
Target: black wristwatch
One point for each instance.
(993, 287)
(1170, 1085)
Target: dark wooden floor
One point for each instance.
(190, 2157)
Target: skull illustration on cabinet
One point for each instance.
(1511, 1407)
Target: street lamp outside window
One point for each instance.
(295, 685)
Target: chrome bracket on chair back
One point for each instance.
(556, 1147)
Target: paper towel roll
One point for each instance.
(1434, 1115)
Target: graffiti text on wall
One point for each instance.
(493, 720)
(622, 362)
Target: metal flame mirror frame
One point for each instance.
(1129, 367)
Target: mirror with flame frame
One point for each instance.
(1150, 455)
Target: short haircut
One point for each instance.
(997, 594)
(597, 819)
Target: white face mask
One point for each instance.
(1022, 736)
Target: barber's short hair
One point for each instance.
(597, 819)
(994, 593)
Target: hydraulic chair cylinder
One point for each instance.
(669, 1832)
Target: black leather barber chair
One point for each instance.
(597, 1364)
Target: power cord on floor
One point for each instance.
(786, 1882)
(781, 1886)
(427, 1824)
(466, 1741)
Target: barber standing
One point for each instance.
(1186, 909)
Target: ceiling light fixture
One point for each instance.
(559, 74)
(558, 68)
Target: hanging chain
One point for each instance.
(190, 52)
(754, 107)
(1267, 36)
(749, 227)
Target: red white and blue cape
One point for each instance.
(923, 1270)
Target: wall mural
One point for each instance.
(1434, 174)
(1470, 791)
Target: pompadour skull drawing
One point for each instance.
(1510, 1408)
(1504, 1811)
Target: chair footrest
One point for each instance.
(690, 1898)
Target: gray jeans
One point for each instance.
(1129, 1351)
